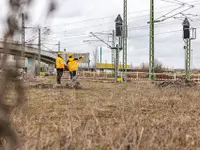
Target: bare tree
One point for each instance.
(158, 64)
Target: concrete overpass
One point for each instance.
(31, 53)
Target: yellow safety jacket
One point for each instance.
(60, 63)
(72, 64)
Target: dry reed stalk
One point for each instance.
(16, 8)
(140, 138)
(97, 122)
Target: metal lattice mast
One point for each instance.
(125, 41)
(117, 61)
(187, 38)
(151, 42)
(113, 45)
(188, 56)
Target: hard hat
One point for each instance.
(69, 54)
(59, 53)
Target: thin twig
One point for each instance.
(38, 137)
(125, 139)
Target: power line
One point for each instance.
(94, 26)
(47, 48)
(70, 37)
(94, 19)
(161, 33)
(98, 25)
(160, 24)
(101, 18)
(101, 24)
(131, 29)
(147, 26)
(74, 45)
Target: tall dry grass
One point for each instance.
(104, 116)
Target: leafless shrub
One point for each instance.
(16, 7)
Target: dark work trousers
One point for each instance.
(72, 74)
(59, 75)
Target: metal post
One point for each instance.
(151, 42)
(100, 54)
(116, 62)
(88, 65)
(125, 41)
(113, 45)
(23, 40)
(188, 53)
(39, 49)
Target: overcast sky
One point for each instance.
(75, 19)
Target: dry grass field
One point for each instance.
(104, 116)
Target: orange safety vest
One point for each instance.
(60, 63)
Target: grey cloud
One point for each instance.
(168, 46)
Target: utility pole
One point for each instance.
(116, 62)
(101, 54)
(188, 58)
(39, 49)
(23, 40)
(125, 35)
(151, 43)
(113, 45)
(39, 46)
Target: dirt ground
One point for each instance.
(104, 116)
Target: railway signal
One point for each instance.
(187, 37)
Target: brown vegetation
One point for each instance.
(104, 116)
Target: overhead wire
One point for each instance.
(94, 19)
(86, 27)
(101, 18)
(129, 29)
(157, 25)
(160, 33)
(133, 28)
(47, 47)
(101, 24)
(69, 46)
